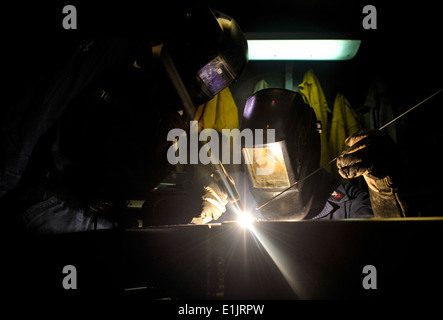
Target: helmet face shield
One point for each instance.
(269, 166)
(215, 76)
(295, 154)
(209, 51)
(270, 172)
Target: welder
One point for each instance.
(296, 155)
(95, 136)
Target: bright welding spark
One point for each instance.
(281, 260)
(244, 219)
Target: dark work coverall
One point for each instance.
(92, 137)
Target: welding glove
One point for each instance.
(376, 156)
(214, 204)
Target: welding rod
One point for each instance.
(233, 193)
(333, 160)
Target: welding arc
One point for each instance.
(333, 160)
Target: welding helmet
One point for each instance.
(288, 152)
(209, 51)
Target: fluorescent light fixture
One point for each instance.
(303, 49)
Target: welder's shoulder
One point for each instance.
(355, 201)
(350, 192)
(345, 202)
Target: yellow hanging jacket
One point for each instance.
(313, 95)
(344, 123)
(219, 113)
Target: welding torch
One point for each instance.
(221, 175)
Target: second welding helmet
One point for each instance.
(209, 51)
(288, 152)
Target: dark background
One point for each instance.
(405, 48)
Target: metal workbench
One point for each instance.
(272, 260)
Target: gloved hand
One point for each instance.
(376, 156)
(370, 153)
(214, 204)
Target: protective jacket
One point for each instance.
(345, 122)
(313, 95)
(218, 113)
(346, 202)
